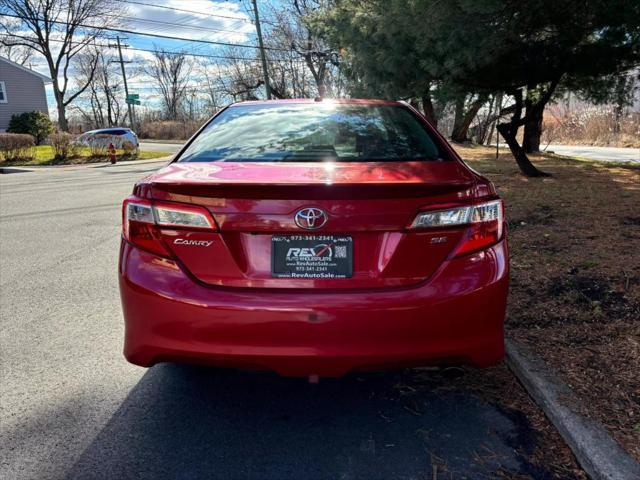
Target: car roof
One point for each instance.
(319, 101)
(109, 128)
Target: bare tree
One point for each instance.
(212, 91)
(171, 73)
(301, 64)
(9, 46)
(315, 51)
(293, 29)
(60, 30)
(99, 105)
(239, 76)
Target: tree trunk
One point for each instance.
(618, 111)
(62, 117)
(489, 137)
(427, 108)
(533, 128)
(322, 88)
(482, 129)
(463, 120)
(458, 113)
(109, 110)
(525, 165)
(537, 99)
(59, 96)
(510, 130)
(498, 107)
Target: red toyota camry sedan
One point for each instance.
(314, 238)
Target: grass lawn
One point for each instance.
(575, 277)
(44, 156)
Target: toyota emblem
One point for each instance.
(310, 218)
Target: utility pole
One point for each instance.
(126, 88)
(265, 71)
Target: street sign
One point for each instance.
(133, 96)
(133, 102)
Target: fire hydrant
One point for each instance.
(112, 153)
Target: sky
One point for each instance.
(210, 20)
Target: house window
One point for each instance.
(3, 93)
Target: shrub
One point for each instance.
(591, 125)
(16, 146)
(63, 146)
(130, 150)
(169, 129)
(34, 123)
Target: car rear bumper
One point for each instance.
(456, 317)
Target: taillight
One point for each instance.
(142, 219)
(484, 221)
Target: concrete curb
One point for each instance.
(82, 166)
(597, 452)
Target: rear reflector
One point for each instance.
(141, 220)
(485, 223)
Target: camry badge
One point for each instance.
(196, 243)
(310, 218)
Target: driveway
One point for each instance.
(607, 154)
(72, 407)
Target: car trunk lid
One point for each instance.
(255, 204)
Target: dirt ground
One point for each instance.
(575, 277)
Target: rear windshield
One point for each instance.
(313, 133)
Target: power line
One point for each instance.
(155, 5)
(181, 25)
(204, 55)
(169, 52)
(156, 35)
(200, 55)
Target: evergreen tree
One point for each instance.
(524, 48)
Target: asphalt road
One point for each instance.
(594, 153)
(160, 147)
(72, 407)
(610, 154)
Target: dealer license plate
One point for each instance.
(311, 256)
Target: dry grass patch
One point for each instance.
(575, 278)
